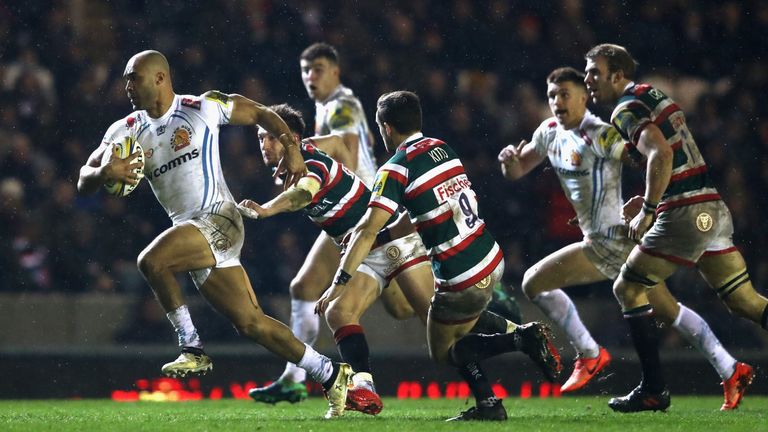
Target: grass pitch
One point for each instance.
(589, 413)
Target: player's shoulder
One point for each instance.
(130, 122)
(547, 129)
(214, 96)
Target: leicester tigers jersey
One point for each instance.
(342, 112)
(641, 105)
(587, 160)
(342, 199)
(426, 176)
(181, 152)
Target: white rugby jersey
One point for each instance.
(342, 112)
(181, 152)
(587, 160)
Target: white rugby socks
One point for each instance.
(318, 366)
(697, 332)
(305, 325)
(185, 330)
(560, 309)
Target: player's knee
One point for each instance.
(529, 285)
(250, 328)
(148, 264)
(301, 289)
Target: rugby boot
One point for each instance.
(191, 361)
(504, 304)
(279, 391)
(641, 400)
(735, 386)
(362, 395)
(536, 342)
(337, 392)
(494, 413)
(584, 369)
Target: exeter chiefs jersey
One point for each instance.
(427, 177)
(181, 152)
(641, 105)
(342, 199)
(342, 113)
(587, 160)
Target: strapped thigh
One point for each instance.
(631, 275)
(732, 284)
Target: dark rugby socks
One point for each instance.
(353, 348)
(489, 323)
(478, 384)
(476, 347)
(645, 335)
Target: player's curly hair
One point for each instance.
(291, 116)
(617, 57)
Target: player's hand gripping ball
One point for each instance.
(122, 148)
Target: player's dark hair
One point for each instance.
(617, 57)
(291, 116)
(401, 110)
(320, 50)
(566, 74)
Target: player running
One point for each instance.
(587, 154)
(335, 199)
(180, 138)
(682, 221)
(428, 179)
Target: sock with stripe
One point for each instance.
(353, 347)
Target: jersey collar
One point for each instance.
(410, 140)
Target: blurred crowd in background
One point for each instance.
(479, 67)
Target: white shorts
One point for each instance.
(222, 225)
(608, 252)
(387, 261)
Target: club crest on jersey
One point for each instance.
(575, 158)
(182, 136)
(148, 153)
(451, 187)
(704, 222)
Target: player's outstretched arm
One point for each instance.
(517, 161)
(248, 112)
(363, 237)
(333, 145)
(93, 174)
(295, 198)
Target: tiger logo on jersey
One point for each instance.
(182, 137)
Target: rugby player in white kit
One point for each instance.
(179, 135)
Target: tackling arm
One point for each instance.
(295, 198)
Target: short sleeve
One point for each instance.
(389, 187)
(216, 106)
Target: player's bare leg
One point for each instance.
(416, 287)
(312, 279)
(727, 274)
(229, 291)
(178, 249)
(639, 274)
(543, 284)
(396, 303)
(343, 317)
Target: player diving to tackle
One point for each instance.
(180, 138)
(335, 200)
(342, 132)
(587, 155)
(428, 179)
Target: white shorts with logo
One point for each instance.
(387, 261)
(222, 225)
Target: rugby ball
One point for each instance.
(123, 148)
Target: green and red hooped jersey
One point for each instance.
(641, 105)
(342, 199)
(426, 177)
